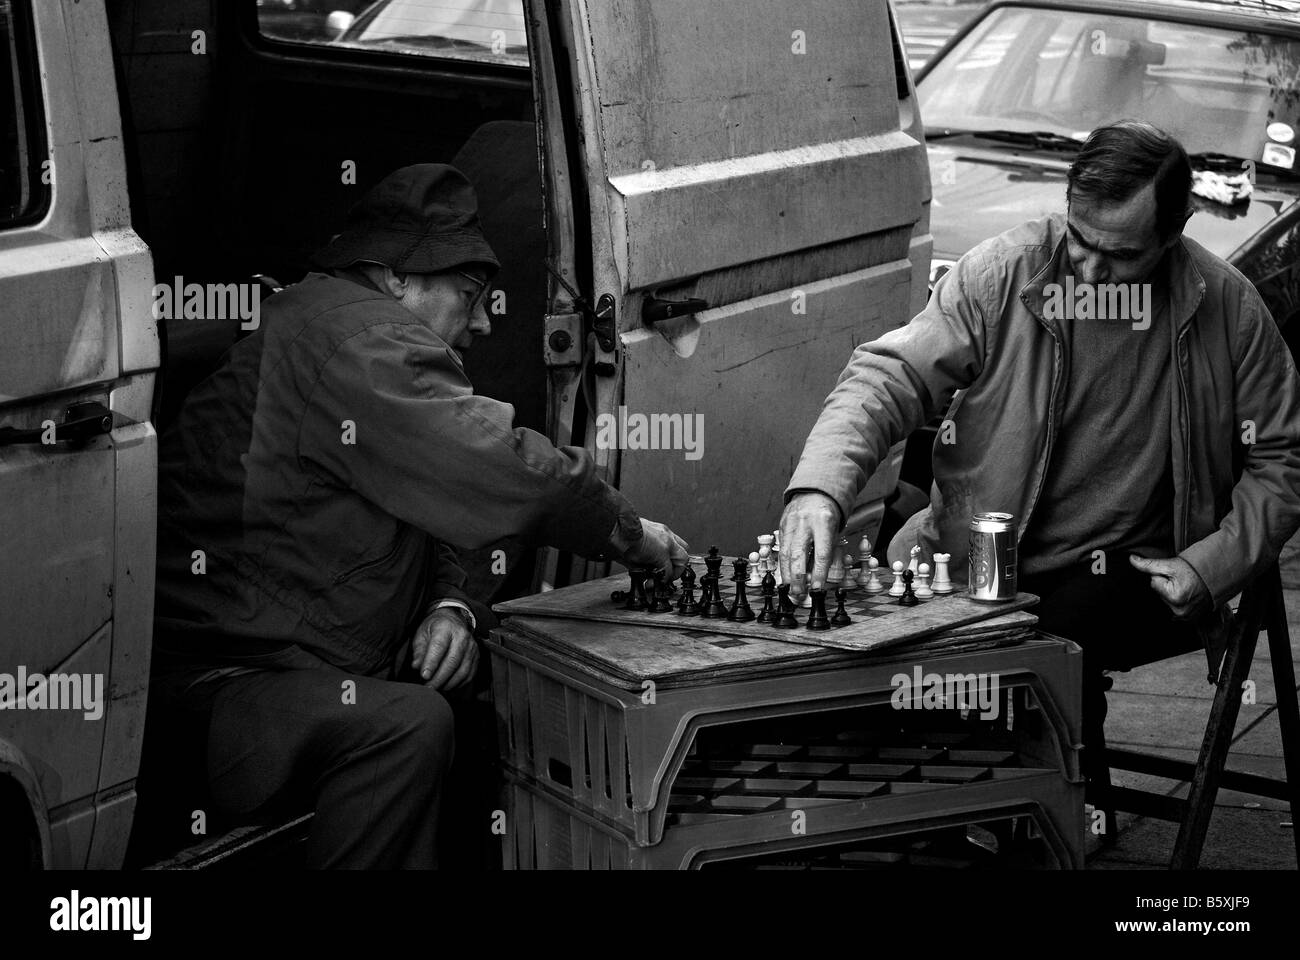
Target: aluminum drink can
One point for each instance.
(992, 557)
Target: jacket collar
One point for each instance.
(1185, 285)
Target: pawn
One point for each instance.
(841, 617)
(941, 582)
(755, 574)
(817, 619)
(908, 599)
(769, 612)
(923, 591)
(873, 584)
(661, 598)
(896, 589)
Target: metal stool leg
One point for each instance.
(1288, 708)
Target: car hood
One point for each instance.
(980, 192)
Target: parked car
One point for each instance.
(1008, 104)
(477, 28)
(926, 25)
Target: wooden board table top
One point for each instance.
(582, 626)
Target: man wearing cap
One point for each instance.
(311, 494)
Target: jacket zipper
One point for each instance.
(1057, 363)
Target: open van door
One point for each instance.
(738, 195)
(77, 451)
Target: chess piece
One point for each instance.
(923, 591)
(817, 620)
(755, 574)
(864, 555)
(740, 609)
(916, 558)
(768, 614)
(661, 600)
(686, 605)
(715, 608)
(835, 574)
(785, 618)
(941, 582)
(636, 594)
(896, 588)
(908, 599)
(873, 584)
(841, 618)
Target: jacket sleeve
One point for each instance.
(894, 384)
(1265, 510)
(392, 416)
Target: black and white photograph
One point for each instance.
(449, 439)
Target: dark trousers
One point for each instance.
(369, 756)
(1116, 618)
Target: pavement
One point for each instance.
(1162, 709)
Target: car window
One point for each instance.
(1066, 71)
(24, 173)
(489, 31)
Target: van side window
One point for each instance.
(25, 176)
(486, 31)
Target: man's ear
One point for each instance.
(394, 283)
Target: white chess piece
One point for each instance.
(755, 574)
(941, 582)
(776, 557)
(835, 573)
(916, 558)
(922, 589)
(897, 589)
(764, 560)
(873, 584)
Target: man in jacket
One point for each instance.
(1151, 459)
(311, 495)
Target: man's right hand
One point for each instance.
(659, 548)
(808, 517)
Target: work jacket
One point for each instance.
(313, 487)
(984, 342)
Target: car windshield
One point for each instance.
(1065, 72)
(477, 29)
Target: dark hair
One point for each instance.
(1119, 159)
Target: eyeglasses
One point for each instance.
(481, 295)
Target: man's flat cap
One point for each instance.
(419, 219)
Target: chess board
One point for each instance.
(878, 619)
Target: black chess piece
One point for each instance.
(740, 608)
(908, 599)
(841, 617)
(768, 614)
(686, 605)
(661, 600)
(785, 618)
(635, 599)
(817, 619)
(714, 608)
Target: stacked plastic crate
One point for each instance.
(617, 756)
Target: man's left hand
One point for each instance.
(444, 649)
(1178, 585)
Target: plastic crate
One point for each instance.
(612, 756)
(545, 833)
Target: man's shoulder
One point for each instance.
(1228, 293)
(1017, 255)
(320, 297)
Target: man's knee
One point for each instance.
(417, 719)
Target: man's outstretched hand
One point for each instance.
(1178, 585)
(810, 517)
(660, 549)
(444, 649)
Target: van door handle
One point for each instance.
(653, 309)
(83, 420)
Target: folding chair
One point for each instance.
(1261, 606)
